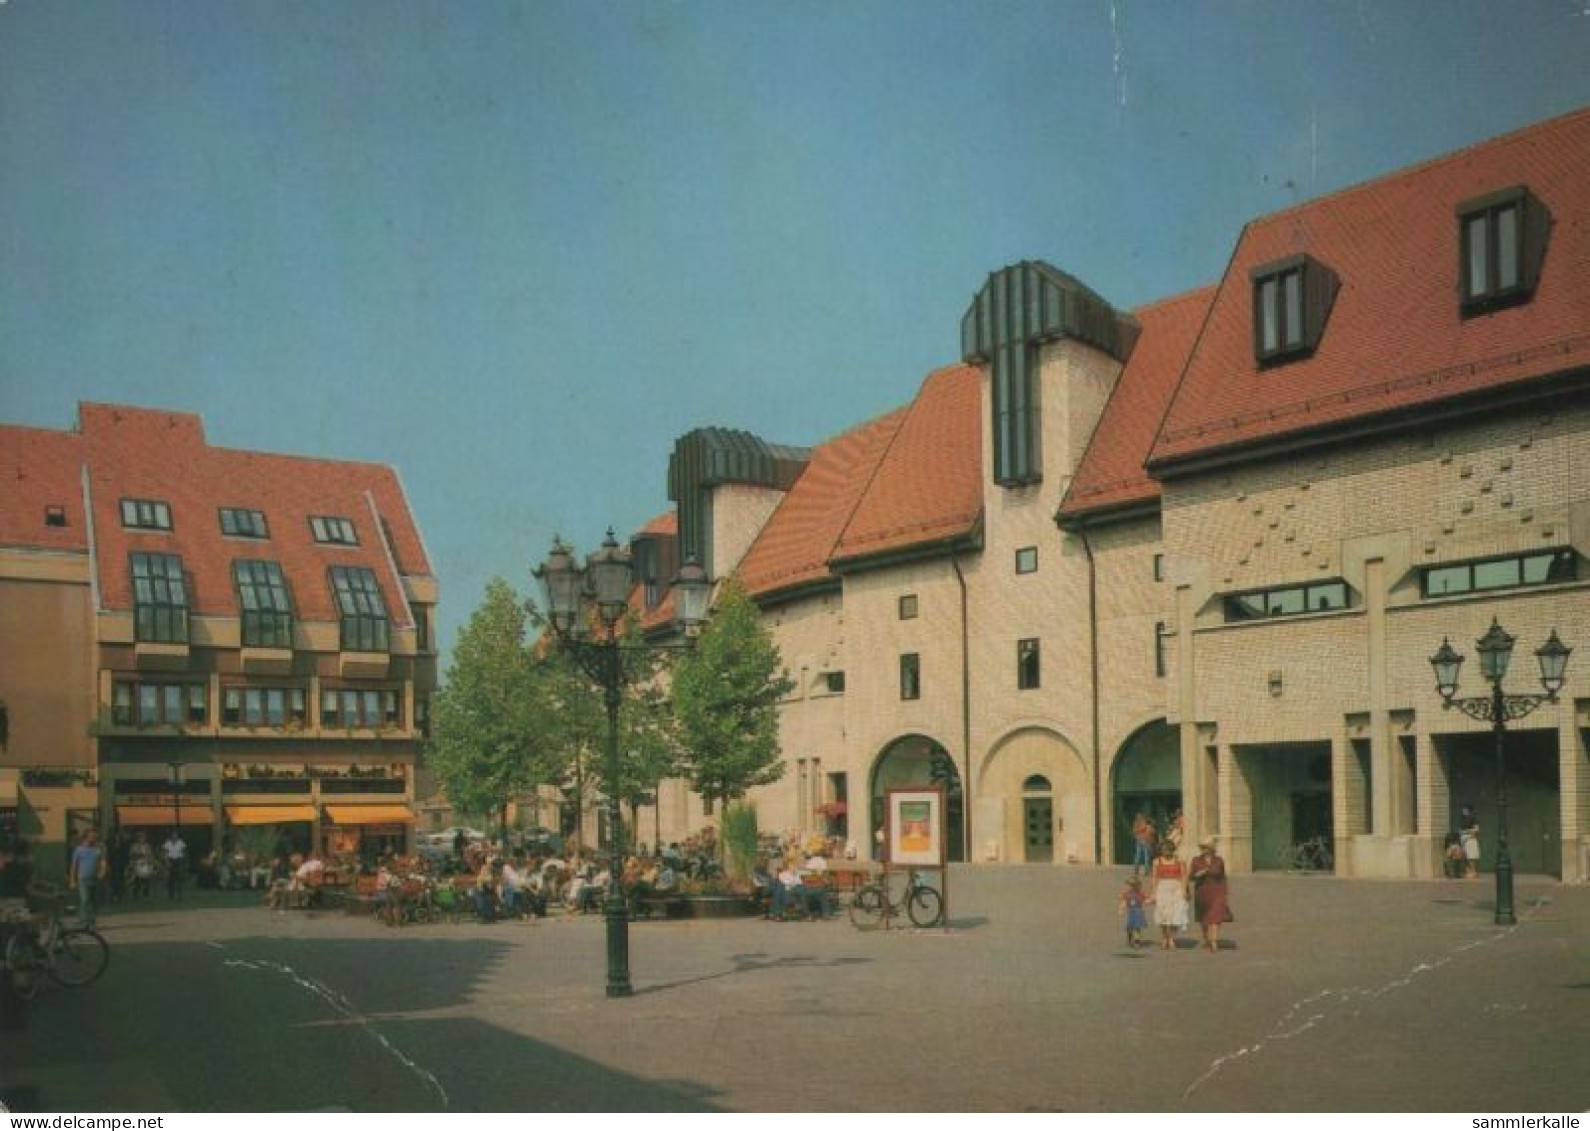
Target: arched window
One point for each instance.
(1037, 783)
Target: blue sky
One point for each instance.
(515, 249)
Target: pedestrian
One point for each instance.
(1170, 896)
(1469, 824)
(1211, 906)
(175, 854)
(88, 868)
(1452, 860)
(141, 864)
(1131, 907)
(120, 859)
(1143, 833)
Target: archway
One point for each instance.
(915, 761)
(1034, 800)
(1146, 779)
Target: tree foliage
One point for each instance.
(496, 732)
(726, 693)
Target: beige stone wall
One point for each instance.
(1047, 730)
(1374, 514)
(739, 512)
(46, 682)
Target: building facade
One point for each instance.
(1196, 556)
(236, 643)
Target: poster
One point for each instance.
(914, 819)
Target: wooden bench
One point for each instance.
(658, 906)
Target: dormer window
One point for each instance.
(1502, 243)
(1292, 299)
(145, 514)
(239, 522)
(332, 531)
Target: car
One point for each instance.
(449, 836)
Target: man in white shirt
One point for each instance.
(175, 853)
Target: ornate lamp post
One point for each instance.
(1497, 708)
(585, 606)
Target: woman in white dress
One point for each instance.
(1170, 895)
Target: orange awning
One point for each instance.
(268, 814)
(369, 814)
(149, 816)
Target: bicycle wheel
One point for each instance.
(866, 907)
(26, 963)
(926, 907)
(80, 956)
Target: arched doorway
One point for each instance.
(1034, 800)
(1037, 804)
(1146, 779)
(913, 762)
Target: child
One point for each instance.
(1132, 906)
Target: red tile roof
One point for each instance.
(1394, 340)
(1111, 475)
(41, 468)
(149, 454)
(928, 486)
(795, 544)
(665, 523)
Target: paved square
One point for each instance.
(1333, 995)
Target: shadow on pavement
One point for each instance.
(751, 964)
(274, 1024)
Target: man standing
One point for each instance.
(87, 869)
(175, 854)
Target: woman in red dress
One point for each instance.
(1207, 879)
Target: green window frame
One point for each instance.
(160, 599)
(910, 675)
(1288, 600)
(365, 625)
(1516, 571)
(262, 599)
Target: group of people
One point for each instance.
(1183, 892)
(794, 885)
(1461, 855)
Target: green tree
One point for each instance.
(648, 743)
(726, 692)
(496, 734)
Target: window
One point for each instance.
(1027, 559)
(834, 682)
(1501, 245)
(1292, 299)
(334, 531)
(1160, 636)
(159, 704)
(364, 619)
(908, 607)
(244, 523)
(422, 628)
(1501, 573)
(1028, 665)
(54, 516)
(145, 514)
(264, 706)
(1289, 601)
(160, 599)
(422, 715)
(1159, 567)
(262, 598)
(367, 708)
(910, 676)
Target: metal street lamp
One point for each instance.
(176, 793)
(599, 592)
(1497, 708)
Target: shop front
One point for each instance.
(367, 831)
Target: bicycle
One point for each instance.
(873, 904)
(68, 956)
(1311, 855)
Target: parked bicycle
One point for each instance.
(51, 950)
(1311, 855)
(872, 904)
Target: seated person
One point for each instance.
(786, 890)
(486, 882)
(278, 881)
(513, 894)
(762, 886)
